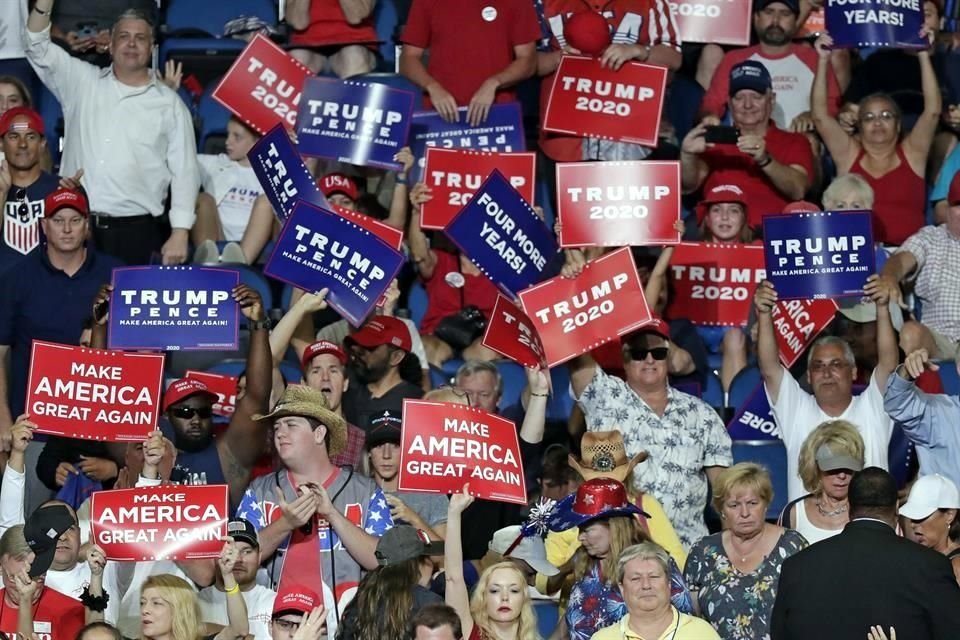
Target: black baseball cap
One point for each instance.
(382, 428)
(242, 531)
(402, 543)
(42, 530)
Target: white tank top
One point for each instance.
(809, 530)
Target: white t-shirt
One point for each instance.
(13, 14)
(234, 187)
(797, 414)
(792, 79)
(73, 582)
(259, 601)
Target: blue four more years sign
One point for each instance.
(827, 254)
(173, 308)
(875, 23)
(357, 122)
(503, 236)
(282, 174)
(502, 131)
(318, 249)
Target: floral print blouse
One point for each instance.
(737, 604)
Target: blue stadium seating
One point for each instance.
(548, 616)
(417, 302)
(514, 380)
(229, 367)
(713, 392)
(438, 378)
(255, 279)
(949, 377)
(772, 455)
(49, 109)
(385, 21)
(561, 402)
(213, 122)
(742, 386)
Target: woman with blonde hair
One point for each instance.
(500, 608)
(733, 575)
(829, 457)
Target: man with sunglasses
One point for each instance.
(684, 436)
(831, 370)
(23, 183)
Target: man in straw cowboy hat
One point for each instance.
(684, 434)
(310, 513)
(603, 455)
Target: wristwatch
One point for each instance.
(256, 325)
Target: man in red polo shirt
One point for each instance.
(479, 49)
(26, 553)
(773, 166)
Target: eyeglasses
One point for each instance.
(188, 412)
(884, 115)
(640, 353)
(818, 366)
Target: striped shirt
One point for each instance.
(937, 253)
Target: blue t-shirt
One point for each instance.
(41, 302)
(21, 219)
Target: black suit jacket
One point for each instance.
(866, 575)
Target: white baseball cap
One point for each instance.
(530, 549)
(928, 494)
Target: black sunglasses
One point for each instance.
(640, 353)
(188, 412)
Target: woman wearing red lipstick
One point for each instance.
(500, 608)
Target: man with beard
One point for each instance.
(791, 64)
(23, 184)
(831, 370)
(377, 352)
(188, 409)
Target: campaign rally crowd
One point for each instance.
(715, 459)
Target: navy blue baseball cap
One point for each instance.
(793, 5)
(750, 74)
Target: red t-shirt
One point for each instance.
(444, 300)
(470, 40)
(329, 26)
(792, 74)
(644, 22)
(55, 616)
(729, 164)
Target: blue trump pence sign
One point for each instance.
(827, 254)
(503, 236)
(282, 174)
(318, 249)
(173, 308)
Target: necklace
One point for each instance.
(830, 514)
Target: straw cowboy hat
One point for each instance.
(603, 455)
(300, 400)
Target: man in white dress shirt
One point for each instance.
(131, 134)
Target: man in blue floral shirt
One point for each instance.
(685, 437)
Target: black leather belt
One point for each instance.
(103, 221)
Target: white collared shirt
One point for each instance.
(131, 142)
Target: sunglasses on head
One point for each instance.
(640, 353)
(188, 412)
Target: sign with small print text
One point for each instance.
(173, 308)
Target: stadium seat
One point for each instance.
(386, 20)
(450, 366)
(194, 34)
(561, 402)
(772, 455)
(742, 386)
(213, 123)
(713, 392)
(49, 109)
(255, 279)
(438, 378)
(229, 367)
(514, 380)
(949, 377)
(548, 616)
(417, 302)
(291, 373)
(395, 81)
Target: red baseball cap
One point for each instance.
(339, 183)
(383, 330)
(802, 206)
(64, 199)
(320, 348)
(34, 121)
(720, 193)
(184, 388)
(295, 599)
(657, 326)
(953, 196)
